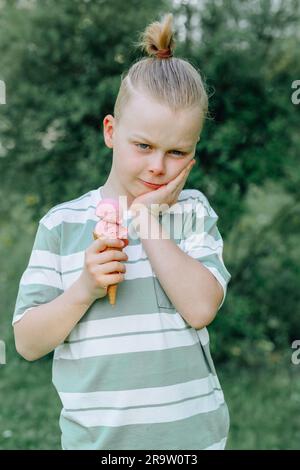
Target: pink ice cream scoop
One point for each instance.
(109, 226)
(111, 219)
(109, 230)
(108, 209)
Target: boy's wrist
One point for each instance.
(147, 224)
(80, 295)
(138, 209)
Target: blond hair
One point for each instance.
(164, 78)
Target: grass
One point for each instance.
(30, 406)
(264, 406)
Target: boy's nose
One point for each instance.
(156, 164)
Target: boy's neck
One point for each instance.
(108, 191)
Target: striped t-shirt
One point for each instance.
(134, 375)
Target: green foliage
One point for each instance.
(67, 60)
(263, 406)
(261, 316)
(29, 415)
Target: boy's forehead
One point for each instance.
(149, 118)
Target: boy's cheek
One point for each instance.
(129, 160)
(134, 166)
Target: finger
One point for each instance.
(101, 244)
(181, 182)
(186, 172)
(110, 255)
(182, 175)
(111, 279)
(189, 166)
(113, 268)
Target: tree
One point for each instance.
(62, 62)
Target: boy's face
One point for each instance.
(150, 143)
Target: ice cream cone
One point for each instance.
(112, 289)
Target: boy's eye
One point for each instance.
(173, 151)
(146, 145)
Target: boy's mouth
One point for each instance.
(152, 185)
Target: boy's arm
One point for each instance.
(194, 291)
(46, 326)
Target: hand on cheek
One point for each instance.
(167, 194)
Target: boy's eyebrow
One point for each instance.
(137, 136)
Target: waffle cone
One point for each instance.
(112, 289)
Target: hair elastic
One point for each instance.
(164, 53)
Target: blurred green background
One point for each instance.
(61, 61)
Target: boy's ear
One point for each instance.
(108, 130)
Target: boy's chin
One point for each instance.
(137, 188)
(134, 190)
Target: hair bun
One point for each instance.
(175, 82)
(157, 39)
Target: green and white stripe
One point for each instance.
(135, 376)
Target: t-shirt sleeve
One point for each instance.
(41, 281)
(202, 239)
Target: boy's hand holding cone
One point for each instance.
(109, 227)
